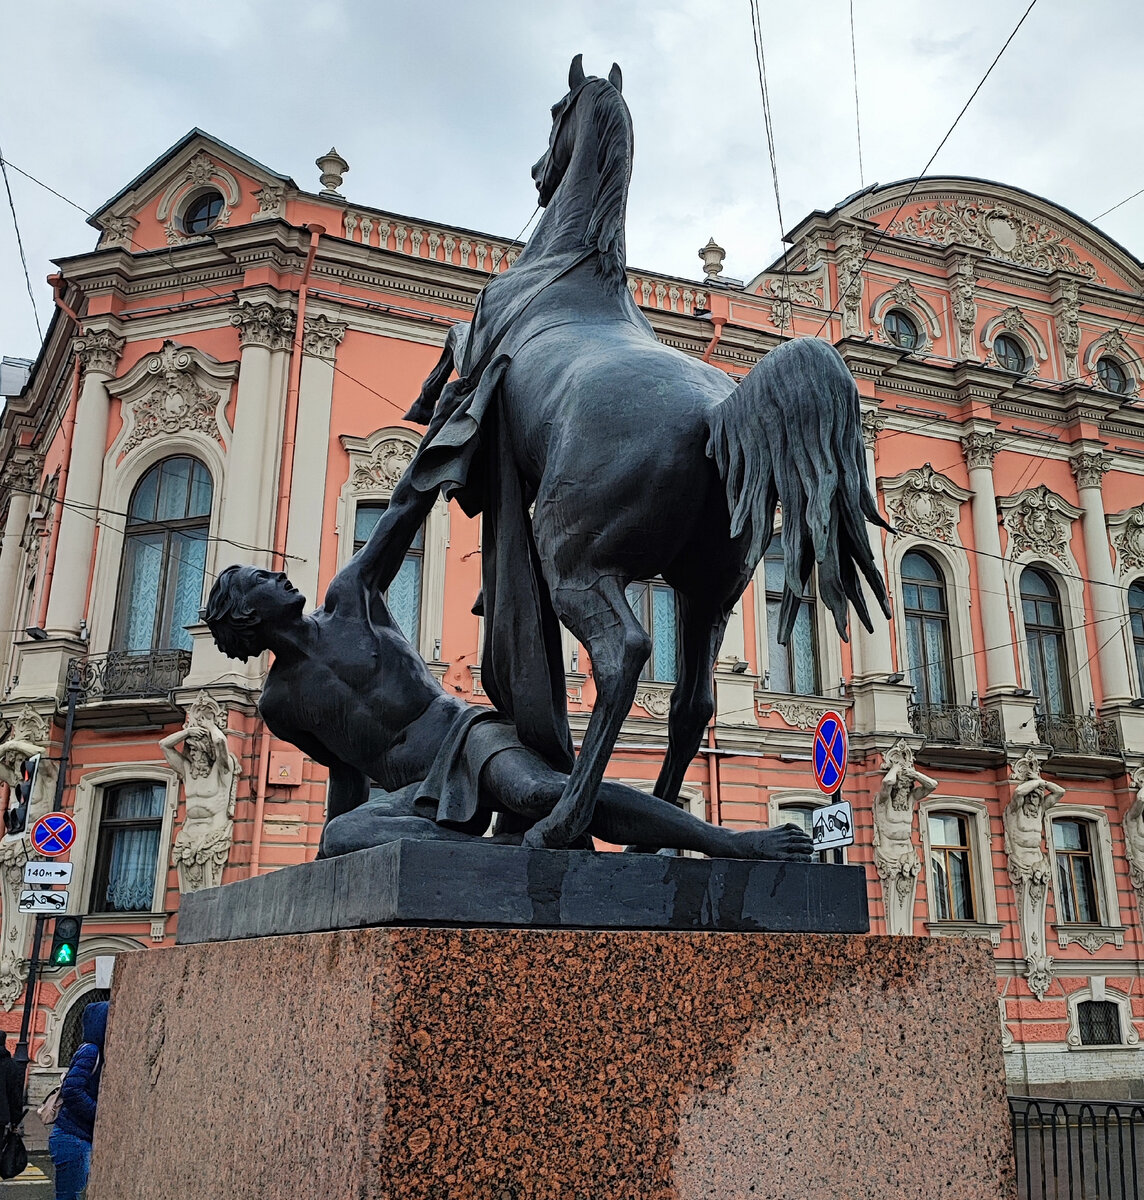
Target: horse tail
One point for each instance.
(790, 434)
(451, 357)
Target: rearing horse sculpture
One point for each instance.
(638, 460)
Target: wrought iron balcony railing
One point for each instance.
(122, 675)
(965, 725)
(1079, 735)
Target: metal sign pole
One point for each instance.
(21, 1055)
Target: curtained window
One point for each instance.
(1136, 615)
(927, 629)
(404, 593)
(164, 558)
(127, 851)
(1045, 638)
(793, 667)
(653, 602)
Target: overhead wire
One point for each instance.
(857, 275)
(1121, 204)
(20, 245)
(857, 112)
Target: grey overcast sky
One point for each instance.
(441, 106)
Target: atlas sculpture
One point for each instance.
(597, 456)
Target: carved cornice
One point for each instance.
(925, 503)
(1088, 468)
(1040, 521)
(980, 450)
(799, 714)
(322, 336)
(377, 463)
(264, 324)
(99, 351)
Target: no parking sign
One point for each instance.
(831, 752)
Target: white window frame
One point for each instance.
(1111, 928)
(985, 924)
(361, 452)
(953, 563)
(89, 794)
(1098, 990)
(784, 797)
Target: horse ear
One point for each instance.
(616, 78)
(576, 73)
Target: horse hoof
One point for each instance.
(539, 838)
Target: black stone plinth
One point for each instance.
(473, 884)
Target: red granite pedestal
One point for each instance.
(498, 1064)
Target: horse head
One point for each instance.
(549, 170)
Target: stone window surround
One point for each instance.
(781, 798)
(1098, 990)
(1103, 861)
(916, 307)
(1023, 332)
(1097, 349)
(360, 451)
(985, 923)
(88, 811)
(953, 562)
(119, 483)
(1071, 590)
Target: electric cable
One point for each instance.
(857, 113)
(20, 244)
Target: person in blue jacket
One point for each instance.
(70, 1140)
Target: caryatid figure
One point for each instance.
(210, 779)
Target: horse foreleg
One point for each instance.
(693, 699)
(618, 645)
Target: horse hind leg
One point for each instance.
(693, 699)
(600, 617)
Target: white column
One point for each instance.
(1107, 613)
(98, 353)
(1000, 670)
(311, 452)
(871, 655)
(22, 476)
(247, 513)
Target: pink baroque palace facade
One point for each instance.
(224, 380)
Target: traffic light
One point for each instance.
(17, 815)
(65, 941)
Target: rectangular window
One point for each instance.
(1099, 1022)
(127, 851)
(793, 667)
(404, 594)
(654, 606)
(1076, 872)
(951, 882)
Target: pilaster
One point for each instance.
(98, 352)
(871, 654)
(20, 479)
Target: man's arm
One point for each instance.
(376, 564)
(175, 760)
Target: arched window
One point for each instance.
(951, 876)
(164, 557)
(71, 1035)
(1136, 613)
(927, 629)
(1045, 638)
(793, 667)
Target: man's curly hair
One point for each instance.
(232, 621)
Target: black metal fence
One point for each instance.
(965, 725)
(1078, 1149)
(123, 675)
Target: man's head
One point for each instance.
(245, 604)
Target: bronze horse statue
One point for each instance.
(635, 460)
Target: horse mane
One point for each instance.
(612, 124)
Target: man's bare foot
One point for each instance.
(787, 843)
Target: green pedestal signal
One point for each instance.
(65, 941)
